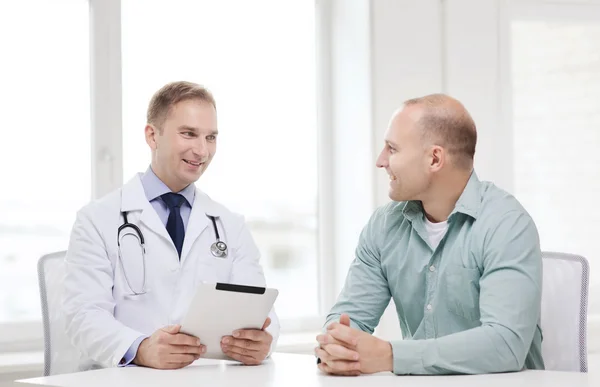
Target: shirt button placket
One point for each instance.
(432, 284)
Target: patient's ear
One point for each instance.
(437, 158)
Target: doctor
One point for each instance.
(136, 255)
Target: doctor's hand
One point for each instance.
(167, 348)
(345, 350)
(250, 346)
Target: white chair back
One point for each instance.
(60, 356)
(564, 312)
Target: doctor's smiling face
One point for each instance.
(182, 133)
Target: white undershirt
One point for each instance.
(435, 231)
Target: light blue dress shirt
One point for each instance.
(154, 188)
(470, 305)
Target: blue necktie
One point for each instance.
(175, 222)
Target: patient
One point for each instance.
(460, 257)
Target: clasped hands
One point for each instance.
(346, 351)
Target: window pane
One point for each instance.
(45, 147)
(556, 85)
(257, 57)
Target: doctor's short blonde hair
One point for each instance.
(170, 94)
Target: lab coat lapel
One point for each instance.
(134, 199)
(196, 224)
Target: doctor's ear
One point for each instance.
(151, 132)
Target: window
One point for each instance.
(45, 141)
(261, 69)
(556, 112)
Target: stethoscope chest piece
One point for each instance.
(219, 249)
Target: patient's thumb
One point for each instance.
(345, 319)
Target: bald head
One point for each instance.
(444, 121)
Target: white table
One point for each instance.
(298, 370)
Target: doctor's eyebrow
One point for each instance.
(213, 132)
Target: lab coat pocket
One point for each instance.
(462, 292)
(213, 270)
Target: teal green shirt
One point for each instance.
(472, 305)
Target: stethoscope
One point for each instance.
(218, 249)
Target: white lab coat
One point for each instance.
(102, 320)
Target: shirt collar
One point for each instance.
(468, 203)
(412, 209)
(154, 187)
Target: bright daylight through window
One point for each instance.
(45, 147)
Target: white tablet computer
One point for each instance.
(218, 309)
